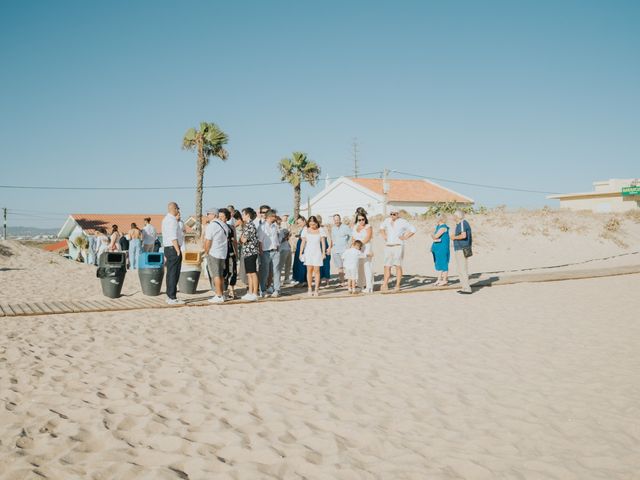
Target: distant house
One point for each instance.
(346, 194)
(88, 223)
(614, 195)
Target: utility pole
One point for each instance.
(385, 190)
(354, 153)
(4, 230)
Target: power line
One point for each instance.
(238, 185)
(494, 187)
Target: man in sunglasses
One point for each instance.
(395, 231)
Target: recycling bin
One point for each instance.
(151, 272)
(192, 258)
(112, 268)
(189, 277)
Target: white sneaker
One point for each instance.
(216, 299)
(175, 301)
(247, 296)
(252, 298)
(275, 294)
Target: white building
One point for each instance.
(614, 195)
(346, 194)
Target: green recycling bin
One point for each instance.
(112, 268)
(151, 272)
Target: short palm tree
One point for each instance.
(208, 142)
(296, 170)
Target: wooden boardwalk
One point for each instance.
(414, 284)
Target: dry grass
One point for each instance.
(5, 251)
(633, 215)
(612, 225)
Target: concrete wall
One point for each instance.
(614, 203)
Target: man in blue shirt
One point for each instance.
(341, 241)
(462, 239)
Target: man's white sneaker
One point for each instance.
(175, 301)
(216, 299)
(275, 294)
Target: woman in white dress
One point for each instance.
(362, 231)
(312, 252)
(102, 242)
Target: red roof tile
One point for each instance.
(89, 222)
(411, 190)
(54, 247)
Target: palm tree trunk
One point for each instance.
(296, 201)
(199, 181)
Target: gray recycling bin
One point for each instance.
(112, 268)
(151, 272)
(189, 277)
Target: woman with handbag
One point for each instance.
(462, 243)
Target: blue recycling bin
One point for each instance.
(151, 272)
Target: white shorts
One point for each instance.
(351, 274)
(393, 255)
(336, 260)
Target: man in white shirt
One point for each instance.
(172, 252)
(269, 237)
(215, 244)
(149, 236)
(395, 231)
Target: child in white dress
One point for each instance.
(350, 259)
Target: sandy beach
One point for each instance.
(526, 381)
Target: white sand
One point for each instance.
(527, 381)
(530, 381)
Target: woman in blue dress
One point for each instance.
(299, 271)
(441, 250)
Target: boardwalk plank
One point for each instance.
(44, 307)
(83, 306)
(6, 308)
(17, 309)
(63, 308)
(29, 310)
(54, 308)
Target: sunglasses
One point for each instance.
(394, 214)
(263, 212)
(361, 219)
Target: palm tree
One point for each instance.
(208, 142)
(296, 170)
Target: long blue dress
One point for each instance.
(441, 250)
(325, 269)
(299, 272)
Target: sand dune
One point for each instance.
(513, 382)
(502, 241)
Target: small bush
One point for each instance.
(612, 225)
(447, 208)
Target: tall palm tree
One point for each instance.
(296, 170)
(208, 142)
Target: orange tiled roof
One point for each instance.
(54, 247)
(89, 222)
(411, 190)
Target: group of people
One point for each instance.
(258, 247)
(133, 242)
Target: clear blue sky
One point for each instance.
(541, 94)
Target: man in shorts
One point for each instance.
(395, 231)
(340, 241)
(216, 244)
